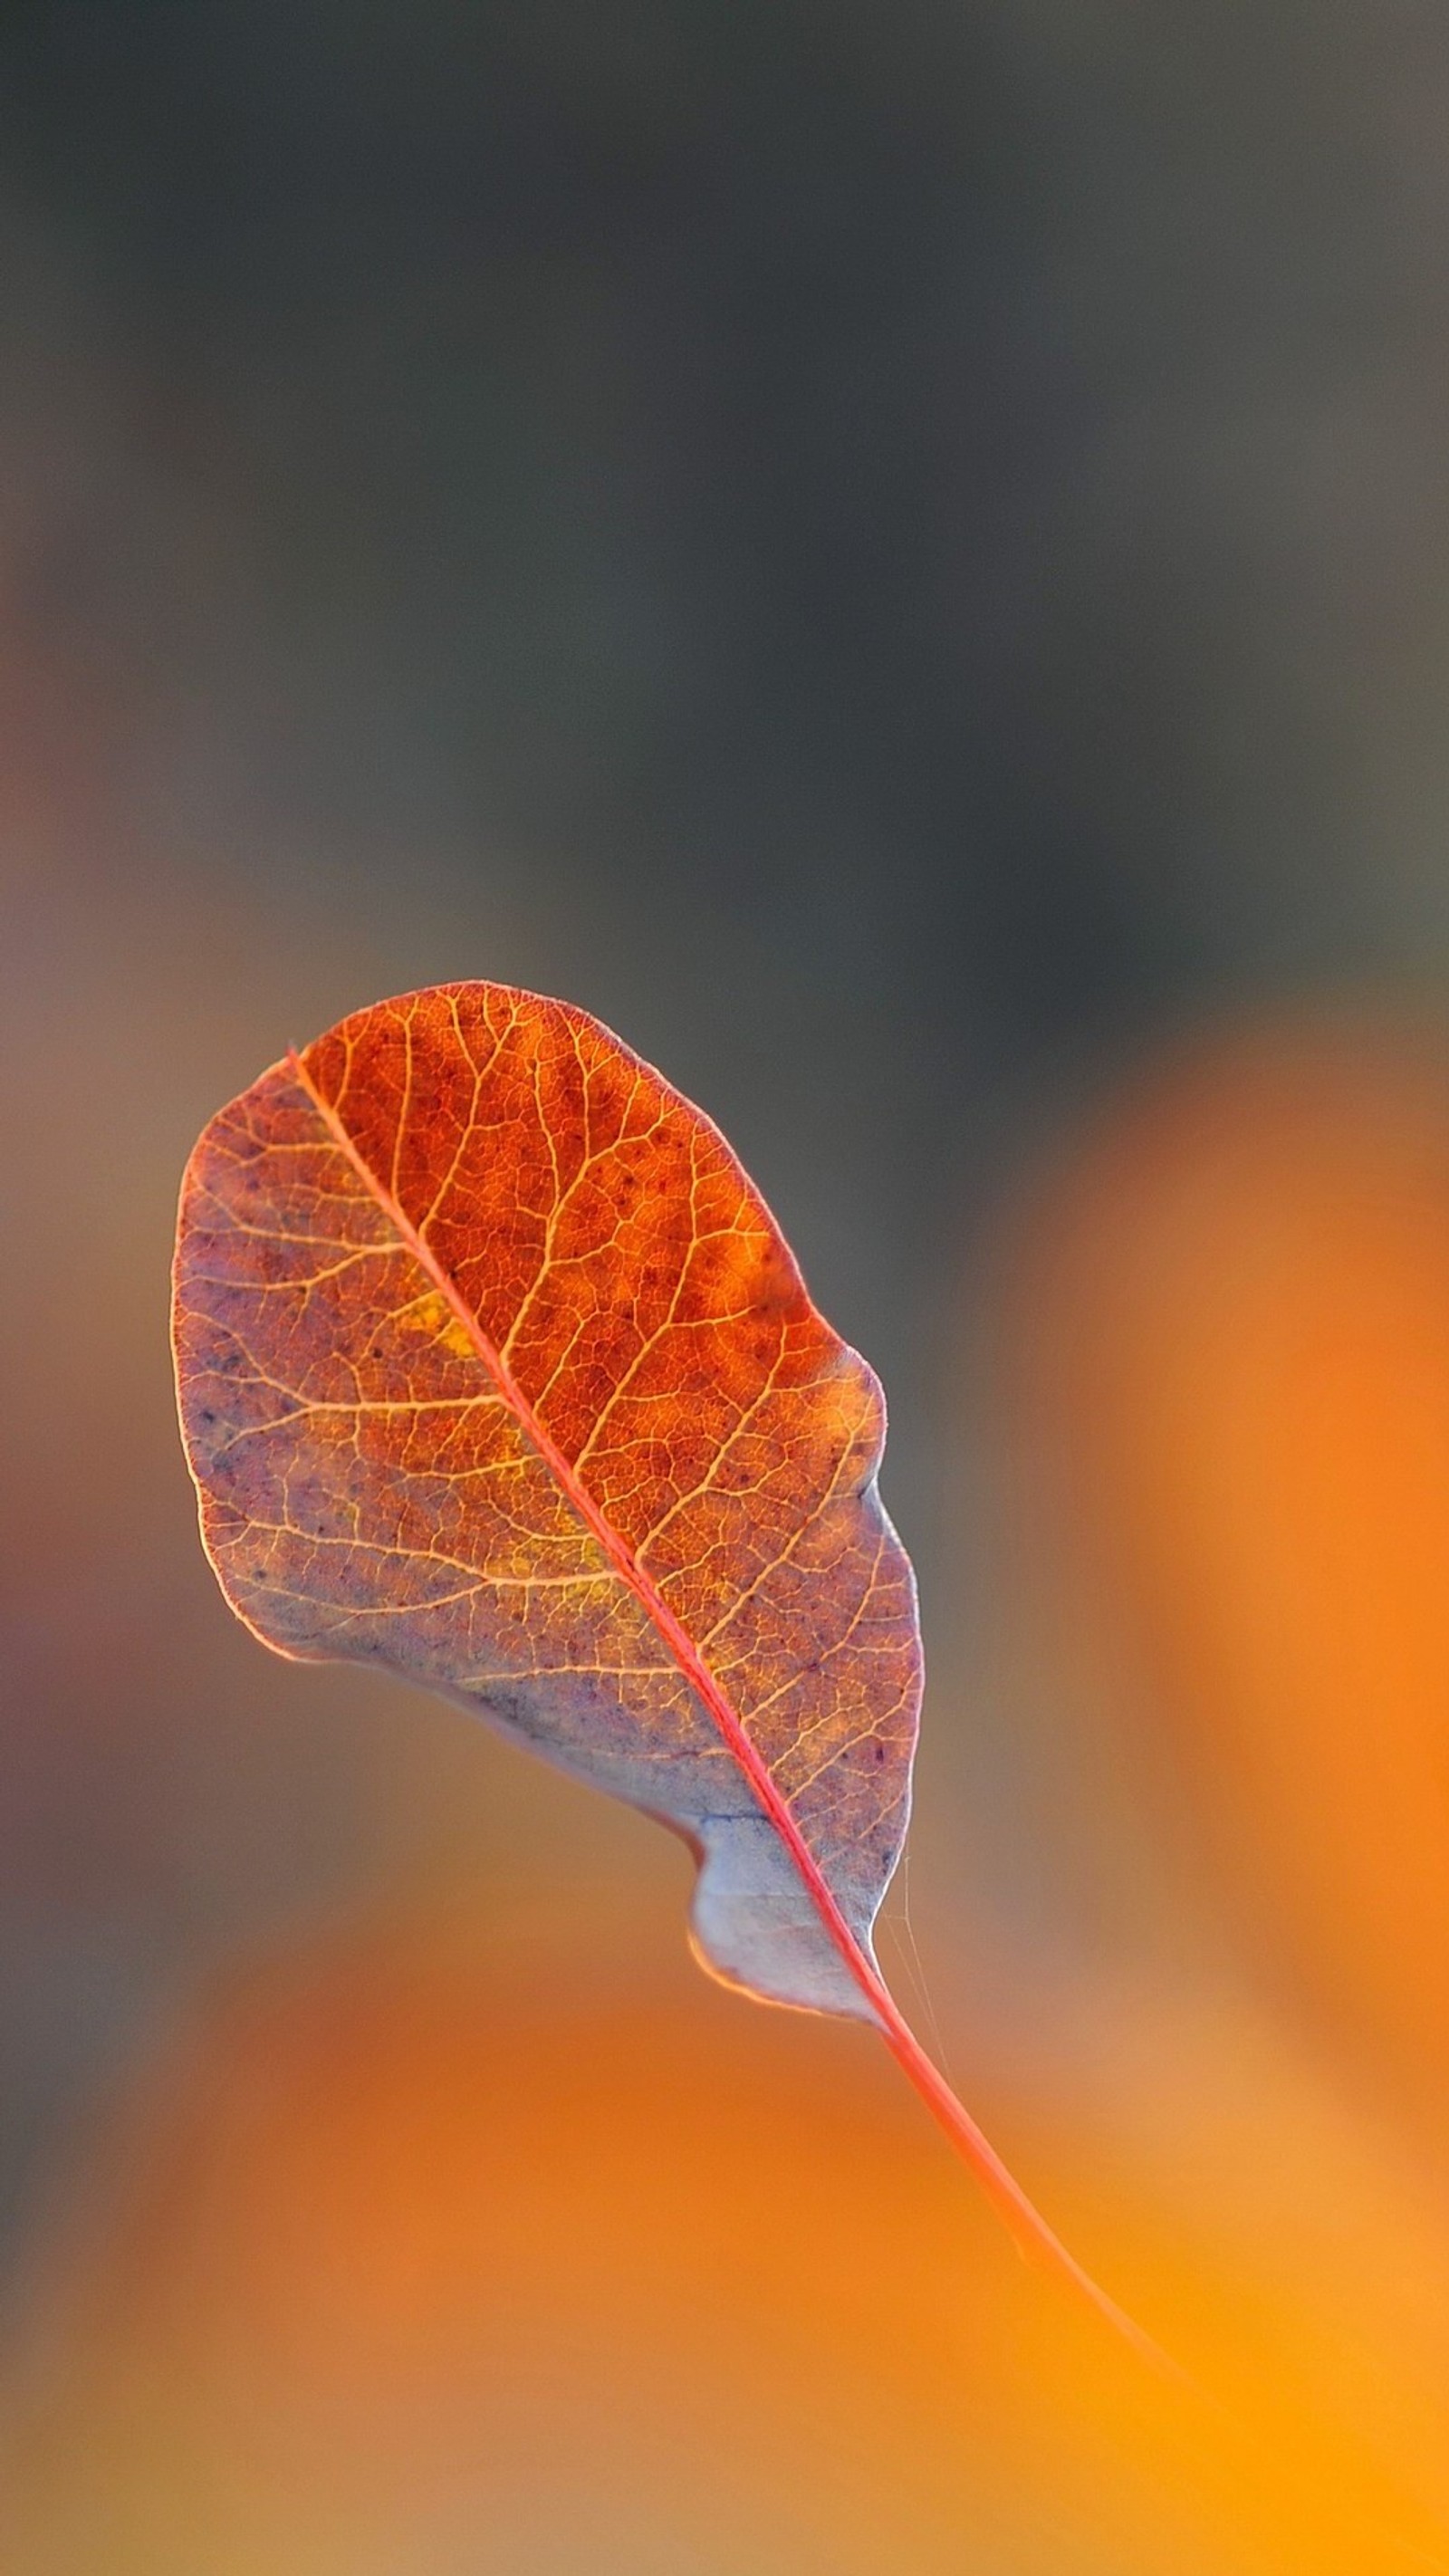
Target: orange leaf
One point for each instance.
(496, 1371)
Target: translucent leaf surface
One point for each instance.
(497, 1371)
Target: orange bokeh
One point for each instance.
(431, 2246)
(1235, 1347)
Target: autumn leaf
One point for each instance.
(496, 1372)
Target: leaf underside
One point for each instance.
(496, 1372)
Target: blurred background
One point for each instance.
(901, 557)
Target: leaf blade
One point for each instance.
(472, 1179)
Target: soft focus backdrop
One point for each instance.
(900, 556)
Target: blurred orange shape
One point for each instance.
(1234, 1340)
(421, 2256)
